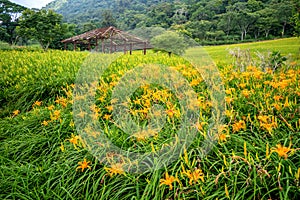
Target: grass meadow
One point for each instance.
(256, 156)
(288, 47)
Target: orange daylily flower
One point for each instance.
(246, 93)
(16, 112)
(168, 180)
(45, 123)
(223, 137)
(107, 117)
(277, 97)
(282, 151)
(115, 169)
(83, 165)
(228, 100)
(55, 115)
(239, 125)
(194, 176)
(74, 140)
(37, 103)
(50, 107)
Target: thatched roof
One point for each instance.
(103, 34)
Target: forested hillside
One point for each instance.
(200, 19)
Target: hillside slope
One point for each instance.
(83, 11)
(200, 19)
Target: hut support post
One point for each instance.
(125, 47)
(130, 48)
(89, 46)
(102, 41)
(96, 44)
(145, 49)
(111, 46)
(75, 46)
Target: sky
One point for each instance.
(32, 3)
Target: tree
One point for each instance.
(161, 15)
(198, 29)
(68, 30)
(180, 16)
(226, 21)
(147, 33)
(267, 20)
(296, 17)
(9, 13)
(215, 35)
(284, 13)
(170, 42)
(41, 25)
(195, 18)
(244, 17)
(88, 27)
(108, 19)
(202, 13)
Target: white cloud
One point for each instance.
(32, 3)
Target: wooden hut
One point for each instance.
(108, 40)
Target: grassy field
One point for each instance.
(287, 47)
(44, 156)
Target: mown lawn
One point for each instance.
(289, 46)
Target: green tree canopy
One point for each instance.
(296, 17)
(41, 25)
(147, 33)
(9, 13)
(170, 42)
(203, 20)
(108, 19)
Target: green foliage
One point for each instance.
(296, 21)
(147, 33)
(66, 31)
(42, 25)
(4, 46)
(203, 20)
(33, 164)
(9, 13)
(108, 19)
(39, 75)
(277, 60)
(170, 42)
(267, 20)
(296, 17)
(30, 48)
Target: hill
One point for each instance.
(231, 20)
(85, 11)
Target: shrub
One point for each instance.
(4, 46)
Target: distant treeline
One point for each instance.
(203, 20)
(206, 21)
